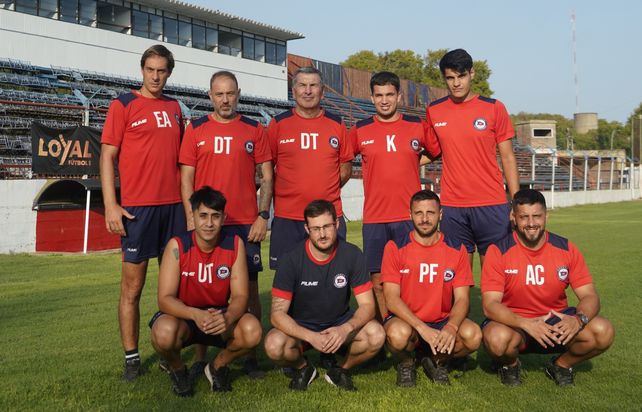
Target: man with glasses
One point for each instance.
(311, 303)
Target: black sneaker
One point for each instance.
(219, 378)
(436, 373)
(340, 377)
(561, 376)
(458, 364)
(164, 366)
(406, 374)
(181, 383)
(303, 377)
(132, 370)
(327, 360)
(252, 370)
(509, 375)
(197, 369)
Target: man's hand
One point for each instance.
(210, 321)
(258, 230)
(445, 339)
(541, 331)
(318, 341)
(429, 335)
(567, 328)
(114, 219)
(335, 336)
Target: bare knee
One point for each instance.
(603, 332)
(398, 334)
(275, 344)
(498, 339)
(164, 333)
(470, 334)
(375, 334)
(250, 330)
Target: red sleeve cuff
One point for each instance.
(361, 288)
(390, 279)
(283, 294)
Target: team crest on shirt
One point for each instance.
(340, 281)
(334, 142)
(562, 273)
(249, 147)
(256, 259)
(414, 143)
(480, 123)
(222, 272)
(449, 274)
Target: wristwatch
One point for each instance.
(265, 214)
(584, 320)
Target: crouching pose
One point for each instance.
(202, 296)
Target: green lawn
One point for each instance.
(61, 350)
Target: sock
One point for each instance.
(132, 355)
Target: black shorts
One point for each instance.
(196, 335)
(476, 226)
(375, 237)
(530, 345)
(252, 249)
(422, 344)
(287, 233)
(150, 230)
(318, 327)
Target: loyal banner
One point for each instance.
(60, 152)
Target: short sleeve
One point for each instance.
(261, 147)
(273, 138)
(492, 278)
(115, 124)
(345, 150)
(390, 267)
(353, 138)
(188, 154)
(463, 273)
(579, 274)
(503, 126)
(359, 278)
(285, 278)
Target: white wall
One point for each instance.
(566, 199)
(47, 42)
(17, 219)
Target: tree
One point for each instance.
(363, 60)
(405, 63)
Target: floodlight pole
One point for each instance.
(611, 176)
(553, 179)
(599, 172)
(585, 172)
(570, 175)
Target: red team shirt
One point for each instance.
(307, 154)
(225, 156)
(534, 281)
(390, 153)
(148, 134)
(427, 275)
(205, 277)
(468, 134)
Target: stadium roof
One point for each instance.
(226, 19)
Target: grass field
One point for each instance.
(61, 350)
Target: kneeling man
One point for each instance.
(426, 284)
(523, 295)
(311, 303)
(202, 296)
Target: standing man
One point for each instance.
(202, 296)
(313, 160)
(311, 303)
(523, 296)
(142, 133)
(427, 288)
(390, 144)
(223, 150)
(470, 128)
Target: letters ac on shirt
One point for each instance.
(225, 156)
(468, 134)
(205, 277)
(148, 134)
(534, 282)
(390, 153)
(427, 275)
(307, 154)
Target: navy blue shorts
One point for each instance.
(318, 327)
(531, 345)
(196, 336)
(150, 230)
(476, 227)
(287, 233)
(422, 344)
(375, 237)
(252, 249)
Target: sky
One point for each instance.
(527, 44)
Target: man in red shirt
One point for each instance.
(390, 144)
(202, 296)
(142, 134)
(426, 286)
(313, 160)
(223, 150)
(469, 129)
(523, 296)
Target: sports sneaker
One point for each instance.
(197, 369)
(436, 373)
(252, 370)
(340, 377)
(181, 383)
(561, 376)
(509, 375)
(327, 360)
(164, 366)
(459, 364)
(219, 378)
(132, 369)
(406, 374)
(302, 378)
